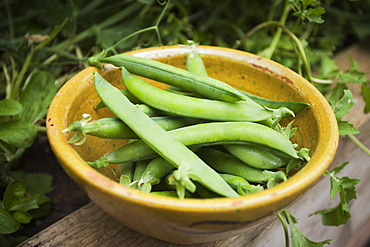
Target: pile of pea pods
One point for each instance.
(200, 138)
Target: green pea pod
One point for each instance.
(189, 165)
(296, 107)
(138, 171)
(129, 95)
(195, 107)
(227, 163)
(194, 62)
(154, 171)
(257, 156)
(171, 193)
(203, 192)
(168, 193)
(241, 185)
(127, 172)
(206, 134)
(202, 85)
(114, 128)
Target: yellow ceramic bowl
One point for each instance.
(195, 220)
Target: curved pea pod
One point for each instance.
(138, 171)
(296, 107)
(194, 107)
(189, 166)
(242, 186)
(202, 85)
(227, 163)
(257, 156)
(127, 173)
(154, 171)
(114, 128)
(205, 134)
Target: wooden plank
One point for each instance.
(90, 226)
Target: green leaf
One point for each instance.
(8, 224)
(308, 10)
(9, 107)
(346, 128)
(42, 211)
(341, 108)
(37, 95)
(22, 217)
(353, 75)
(366, 95)
(334, 216)
(13, 194)
(328, 69)
(314, 14)
(17, 133)
(345, 187)
(28, 203)
(307, 3)
(34, 182)
(298, 238)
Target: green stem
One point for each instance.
(15, 90)
(40, 129)
(8, 81)
(131, 35)
(108, 22)
(359, 144)
(270, 51)
(10, 20)
(286, 232)
(155, 28)
(298, 44)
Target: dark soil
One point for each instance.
(66, 196)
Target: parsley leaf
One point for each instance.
(341, 108)
(345, 187)
(298, 238)
(352, 75)
(308, 10)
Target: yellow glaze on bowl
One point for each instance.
(195, 220)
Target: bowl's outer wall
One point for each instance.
(194, 220)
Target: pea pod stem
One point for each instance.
(154, 171)
(194, 62)
(202, 85)
(190, 166)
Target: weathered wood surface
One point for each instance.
(90, 226)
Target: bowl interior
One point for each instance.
(317, 127)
